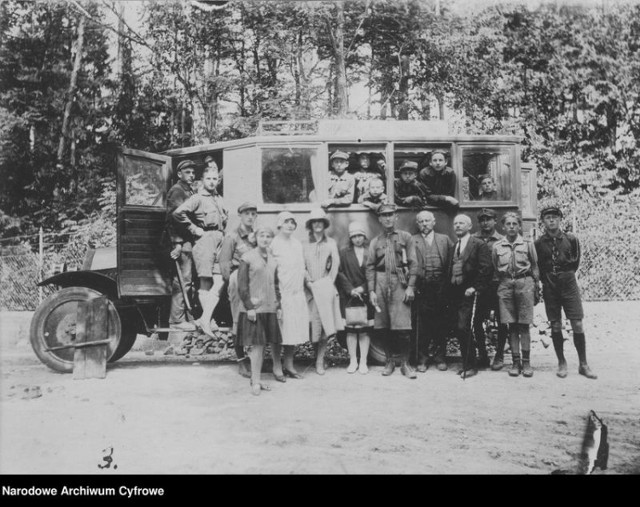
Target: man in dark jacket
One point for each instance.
(181, 242)
(558, 259)
(432, 252)
(441, 182)
(470, 272)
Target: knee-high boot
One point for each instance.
(390, 365)
(404, 343)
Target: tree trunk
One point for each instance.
(337, 38)
(66, 120)
(403, 95)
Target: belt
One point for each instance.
(517, 277)
(555, 271)
(213, 228)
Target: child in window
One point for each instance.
(409, 191)
(375, 196)
(341, 183)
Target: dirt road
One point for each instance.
(161, 415)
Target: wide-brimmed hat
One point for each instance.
(356, 229)
(317, 215)
(283, 217)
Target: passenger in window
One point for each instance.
(322, 261)
(364, 174)
(409, 191)
(440, 181)
(488, 190)
(341, 183)
(211, 162)
(205, 217)
(375, 196)
(381, 164)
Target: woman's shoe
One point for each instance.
(279, 378)
(352, 368)
(363, 369)
(255, 389)
(288, 373)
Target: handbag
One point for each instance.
(356, 314)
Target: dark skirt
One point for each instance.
(265, 329)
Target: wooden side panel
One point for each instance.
(92, 323)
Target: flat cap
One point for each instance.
(408, 165)
(550, 208)
(186, 164)
(385, 209)
(486, 212)
(339, 154)
(245, 206)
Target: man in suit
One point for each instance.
(433, 252)
(470, 272)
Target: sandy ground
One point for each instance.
(165, 415)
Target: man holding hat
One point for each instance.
(432, 252)
(409, 191)
(341, 183)
(558, 259)
(234, 246)
(181, 243)
(388, 266)
(487, 219)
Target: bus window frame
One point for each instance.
(514, 173)
(321, 192)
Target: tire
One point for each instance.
(54, 322)
(376, 349)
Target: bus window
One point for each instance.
(287, 175)
(144, 182)
(365, 162)
(486, 173)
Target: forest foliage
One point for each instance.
(80, 78)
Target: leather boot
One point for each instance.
(527, 371)
(581, 347)
(208, 299)
(558, 346)
(498, 359)
(516, 367)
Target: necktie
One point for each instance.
(458, 249)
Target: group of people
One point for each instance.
(433, 185)
(402, 287)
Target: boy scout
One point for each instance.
(387, 269)
(341, 183)
(410, 192)
(558, 259)
(205, 217)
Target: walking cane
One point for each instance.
(470, 341)
(182, 287)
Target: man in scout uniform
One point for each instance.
(432, 252)
(470, 272)
(181, 243)
(205, 217)
(387, 269)
(341, 183)
(558, 259)
(410, 192)
(234, 246)
(487, 221)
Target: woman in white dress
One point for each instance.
(290, 280)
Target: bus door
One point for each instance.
(142, 185)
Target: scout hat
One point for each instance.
(186, 164)
(356, 229)
(407, 165)
(550, 208)
(486, 212)
(386, 209)
(339, 154)
(318, 215)
(245, 206)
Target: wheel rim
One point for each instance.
(57, 327)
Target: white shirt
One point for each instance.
(428, 238)
(463, 243)
(359, 250)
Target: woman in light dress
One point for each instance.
(290, 282)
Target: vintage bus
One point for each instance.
(285, 166)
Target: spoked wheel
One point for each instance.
(54, 325)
